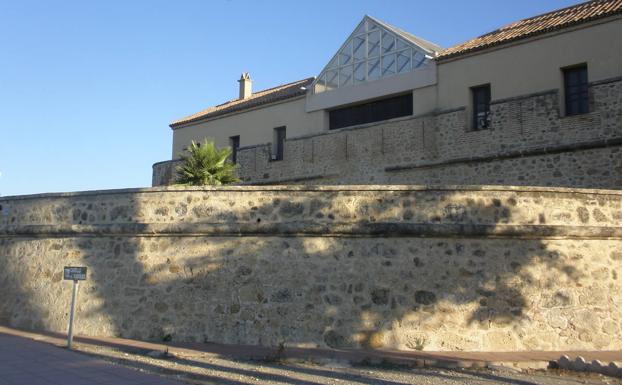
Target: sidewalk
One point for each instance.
(27, 362)
(530, 359)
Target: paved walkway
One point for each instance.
(27, 362)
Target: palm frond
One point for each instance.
(205, 164)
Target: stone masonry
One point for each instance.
(487, 268)
(529, 143)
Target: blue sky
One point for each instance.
(87, 89)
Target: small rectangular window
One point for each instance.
(576, 90)
(481, 107)
(279, 143)
(234, 143)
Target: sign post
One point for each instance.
(74, 274)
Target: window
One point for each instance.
(481, 107)
(373, 52)
(575, 90)
(234, 143)
(384, 109)
(279, 143)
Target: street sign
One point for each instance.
(74, 273)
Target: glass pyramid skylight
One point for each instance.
(373, 51)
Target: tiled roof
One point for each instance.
(521, 29)
(282, 92)
(536, 25)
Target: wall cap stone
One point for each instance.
(336, 188)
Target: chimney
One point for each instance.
(245, 85)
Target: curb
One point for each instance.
(579, 364)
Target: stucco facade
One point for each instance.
(533, 65)
(527, 118)
(253, 126)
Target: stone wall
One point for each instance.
(528, 143)
(164, 173)
(488, 268)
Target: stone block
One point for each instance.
(612, 370)
(579, 364)
(565, 362)
(596, 366)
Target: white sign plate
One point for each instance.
(75, 273)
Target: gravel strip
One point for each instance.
(214, 369)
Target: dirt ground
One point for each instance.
(214, 369)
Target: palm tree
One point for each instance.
(204, 164)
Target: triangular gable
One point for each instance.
(373, 51)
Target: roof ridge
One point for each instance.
(532, 19)
(564, 9)
(538, 24)
(557, 12)
(284, 85)
(253, 101)
(421, 42)
(253, 94)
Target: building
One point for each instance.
(535, 102)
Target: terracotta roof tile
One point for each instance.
(282, 92)
(536, 25)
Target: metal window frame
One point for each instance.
(582, 94)
(475, 113)
(234, 150)
(381, 30)
(279, 153)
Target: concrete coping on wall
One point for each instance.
(309, 188)
(164, 162)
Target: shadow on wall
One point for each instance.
(22, 302)
(375, 282)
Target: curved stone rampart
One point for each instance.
(408, 267)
